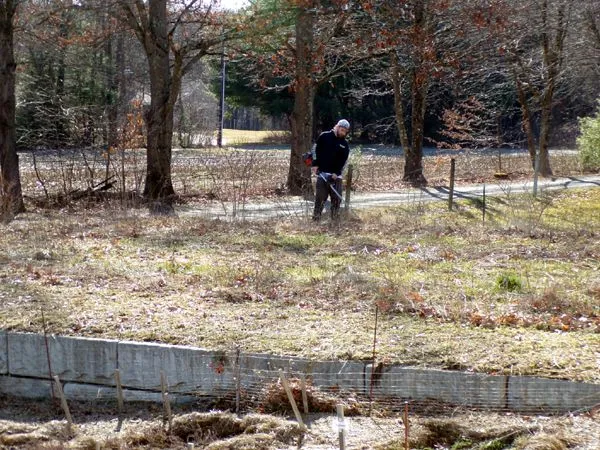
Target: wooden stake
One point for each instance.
(348, 187)
(119, 390)
(166, 401)
(451, 193)
(304, 395)
(288, 391)
(484, 206)
(373, 362)
(47, 353)
(63, 402)
(237, 381)
(406, 427)
(341, 426)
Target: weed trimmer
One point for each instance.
(330, 184)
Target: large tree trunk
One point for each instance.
(544, 168)
(12, 198)
(302, 115)
(398, 105)
(413, 168)
(553, 50)
(159, 117)
(413, 156)
(526, 120)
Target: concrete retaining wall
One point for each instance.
(87, 367)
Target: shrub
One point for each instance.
(588, 141)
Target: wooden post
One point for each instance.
(536, 173)
(237, 381)
(304, 395)
(406, 427)
(63, 402)
(373, 361)
(119, 390)
(484, 205)
(166, 401)
(47, 352)
(348, 187)
(451, 193)
(341, 426)
(288, 391)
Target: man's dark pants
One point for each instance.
(322, 192)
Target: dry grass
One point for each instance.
(274, 399)
(96, 426)
(288, 287)
(214, 430)
(233, 137)
(291, 288)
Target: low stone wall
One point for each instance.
(87, 367)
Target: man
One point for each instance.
(331, 153)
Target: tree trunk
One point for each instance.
(413, 167)
(544, 158)
(159, 117)
(527, 121)
(112, 83)
(553, 51)
(398, 105)
(302, 115)
(10, 187)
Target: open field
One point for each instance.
(518, 293)
(236, 137)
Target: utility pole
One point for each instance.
(222, 100)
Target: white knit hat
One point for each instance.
(344, 124)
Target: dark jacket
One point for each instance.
(331, 153)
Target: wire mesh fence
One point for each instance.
(250, 383)
(212, 175)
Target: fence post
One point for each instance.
(341, 426)
(237, 381)
(290, 396)
(536, 173)
(166, 401)
(304, 394)
(406, 428)
(348, 187)
(451, 193)
(63, 402)
(119, 387)
(484, 205)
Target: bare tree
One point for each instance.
(174, 36)
(536, 46)
(303, 45)
(320, 52)
(10, 178)
(427, 40)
